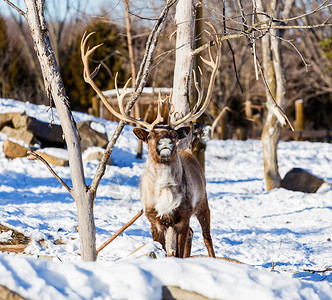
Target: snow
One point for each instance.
(56, 152)
(6, 236)
(278, 235)
(98, 127)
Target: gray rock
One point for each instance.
(13, 150)
(43, 131)
(174, 292)
(91, 137)
(51, 159)
(97, 156)
(300, 180)
(20, 134)
(6, 119)
(7, 294)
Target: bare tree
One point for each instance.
(274, 77)
(83, 196)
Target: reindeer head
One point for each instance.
(162, 141)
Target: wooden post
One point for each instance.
(299, 115)
(95, 106)
(248, 109)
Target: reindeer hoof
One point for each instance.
(171, 254)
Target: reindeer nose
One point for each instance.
(164, 142)
(165, 147)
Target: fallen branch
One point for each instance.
(33, 156)
(122, 229)
(329, 269)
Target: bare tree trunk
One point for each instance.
(275, 78)
(271, 129)
(185, 22)
(54, 87)
(137, 109)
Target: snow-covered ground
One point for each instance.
(278, 235)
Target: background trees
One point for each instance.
(112, 57)
(305, 50)
(15, 78)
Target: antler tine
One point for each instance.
(88, 78)
(170, 108)
(123, 94)
(198, 89)
(214, 64)
(159, 112)
(85, 56)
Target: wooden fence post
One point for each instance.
(95, 106)
(299, 116)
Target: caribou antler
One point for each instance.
(199, 109)
(88, 78)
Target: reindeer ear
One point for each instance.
(183, 132)
(141, 134)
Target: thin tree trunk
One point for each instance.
(271, 129)
(55, 89)
(137, 108)
(185, 22)
(276, 80)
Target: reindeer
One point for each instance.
(173, 185)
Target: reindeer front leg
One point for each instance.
(158, 235)
(187, 248)
(183, 232)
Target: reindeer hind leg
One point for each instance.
(203, 216)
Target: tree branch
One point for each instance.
(277, 111)
(328, 269)
(320, 7)
(295, 26)
(230, 47)
(122, 229)
(33, 156)
(21, 12)
(244, 34)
